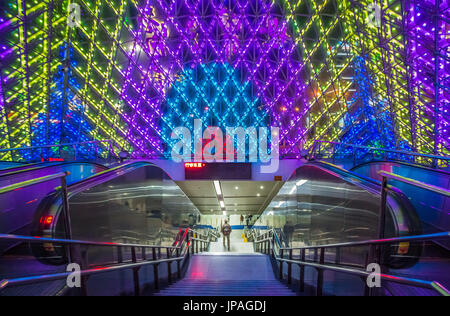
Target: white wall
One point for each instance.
(216, 220)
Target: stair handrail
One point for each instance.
(182, 251)
(269, 246)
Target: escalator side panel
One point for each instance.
(18, 208)
(324, 208)
(432, 208)
(140, 206)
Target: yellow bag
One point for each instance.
(245, 239)
(243, 235)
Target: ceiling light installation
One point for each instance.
(298, 184)
(219, 194)
(217, 187)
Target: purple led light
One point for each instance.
(178, 34)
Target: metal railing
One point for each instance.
(269, 242)
(178, 253)
(329, 150)
(75, 147)
(271, 245)
(190, 241)
(64, 195)
(385, 187)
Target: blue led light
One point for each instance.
(213, 93)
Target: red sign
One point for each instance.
(194, 165)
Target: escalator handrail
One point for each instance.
(31, 182)
(422, 185)
(349, 173)
(60, 145)
(46, 166)
(401, 152)
(444, 172)
(114, 169)
(84, 184)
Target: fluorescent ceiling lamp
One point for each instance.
(222, 204)
(299, 183)
(279, 204)
(293, 190)
(217, 187)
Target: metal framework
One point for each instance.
(130, 71)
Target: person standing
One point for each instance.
(226, 232)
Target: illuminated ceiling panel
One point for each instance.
(131, 71)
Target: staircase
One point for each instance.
(228, 274)
(188, 287)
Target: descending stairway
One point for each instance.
(229, 274)
(188, 287)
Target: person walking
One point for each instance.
(226, 232)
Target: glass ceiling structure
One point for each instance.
(366, 72)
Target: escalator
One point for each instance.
(134, 203)
(138, 203)
(324, 204)
(432, 208)
(19, 207)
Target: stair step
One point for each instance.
(227, 290)
(224, 294)
(225, 275)
(188, 287)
